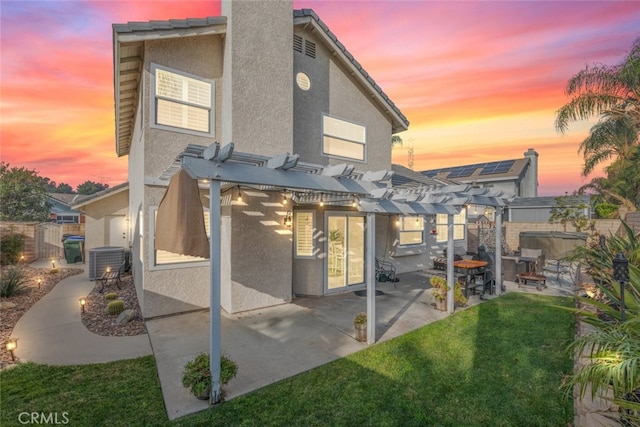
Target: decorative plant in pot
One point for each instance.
(440, 289)
(360, 323)
(197, 376)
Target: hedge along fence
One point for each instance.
(41, 240)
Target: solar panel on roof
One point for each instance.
(493, 168)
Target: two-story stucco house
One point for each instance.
(271, 80)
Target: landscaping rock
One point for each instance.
(4, 305)
(126, 316)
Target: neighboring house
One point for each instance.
(106, 217)
(538, 209)
(61, 211)
(514, 176)
(272, 80)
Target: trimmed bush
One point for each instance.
(115, 307)
(110, 296)
(11, 246)
(13, 282)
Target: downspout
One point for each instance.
(498, 263)
(450, 270)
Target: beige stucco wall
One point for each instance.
(98, 214)
(258, 70)
(335, 92)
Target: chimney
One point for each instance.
(529, 187)
(257, 83)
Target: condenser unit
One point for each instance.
(101, 258)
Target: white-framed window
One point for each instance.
(459, 224)
(303, 228)
(410, 230)
(343, 139)
(182, 102)
(160, 258)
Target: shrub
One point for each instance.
(11, 246)
(197, 376)
(110, 296)
(360, 319)
(13, 282)
(115, 307)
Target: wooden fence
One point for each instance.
(41, 240)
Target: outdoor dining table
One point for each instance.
(470, 268)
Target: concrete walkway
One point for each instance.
(52, 332)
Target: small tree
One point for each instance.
(22, 195)
(90, 187)
(569, 210)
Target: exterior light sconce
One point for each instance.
(398, 220)
(83, 302)
(11, 346)
(288, 220)
(354, 203)
(621, 275)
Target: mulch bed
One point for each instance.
(95, 318)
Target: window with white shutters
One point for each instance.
(182, 102)
(303, 230)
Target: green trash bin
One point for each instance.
(73, 250)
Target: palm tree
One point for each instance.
(613, 93)
(396, 141)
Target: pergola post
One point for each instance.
(450, 270)
(498, 263)
(371, 277)
(215, 328)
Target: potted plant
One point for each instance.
(197, 376)
(360, 323)
(440, 289)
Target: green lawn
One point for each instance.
(496, 364)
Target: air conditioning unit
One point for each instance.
(101, 258)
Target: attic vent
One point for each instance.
(297, 43)
(309, 49)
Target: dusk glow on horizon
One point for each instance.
(479, 81)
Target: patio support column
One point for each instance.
(451, 279)
(215, 329)
(498, 264)
(371, 277)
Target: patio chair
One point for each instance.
(385, 272)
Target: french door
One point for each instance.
(345, 249)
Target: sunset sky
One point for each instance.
(479, 81)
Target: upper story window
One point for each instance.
(343, 139)
(411, 230)
(182, 102)
(459, 223)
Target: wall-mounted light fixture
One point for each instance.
(83, 302)
(11, 345)
(288, 220)
(398, 220)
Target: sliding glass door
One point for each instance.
(345, 250)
